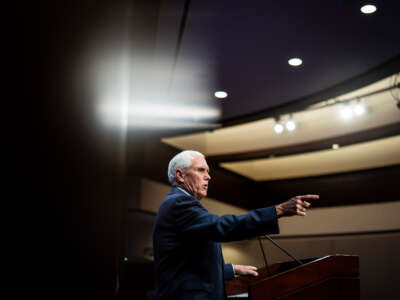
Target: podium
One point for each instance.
(329, 277)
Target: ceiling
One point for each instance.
(243, 47)
(231, 146)
(169, 57)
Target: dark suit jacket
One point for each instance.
(187, 253)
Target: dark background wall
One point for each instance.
(70, 175)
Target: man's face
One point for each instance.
(196, 177)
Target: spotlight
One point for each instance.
(290, 125)
(335, 146)
(359, 109)
(346, 112)
(278, 128)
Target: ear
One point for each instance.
(180, 175)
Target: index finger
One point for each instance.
(308, 197)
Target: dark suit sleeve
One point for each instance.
(195, 222)
(229, 273)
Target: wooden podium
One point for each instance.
(329, 277)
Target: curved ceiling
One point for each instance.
(362, 156)
(245, 47)
(254, 150)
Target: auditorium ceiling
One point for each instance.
(324, 141)
(243, 48)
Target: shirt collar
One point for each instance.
(186, 192)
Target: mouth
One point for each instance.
(205, 186)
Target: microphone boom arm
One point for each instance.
(287, 253)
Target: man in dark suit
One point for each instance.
(187, 253)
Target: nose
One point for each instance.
(208, 177)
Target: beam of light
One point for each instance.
(172, 124)
(154, 115)
(132, 86)
(154, 111)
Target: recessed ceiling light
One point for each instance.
(335, 146)
(295, 61)
(279, 128)
(368, 9)
(221, 94)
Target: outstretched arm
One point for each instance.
(195, 222)
(295, 206)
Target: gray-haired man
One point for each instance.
(186, 237)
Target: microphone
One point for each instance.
(283, 250)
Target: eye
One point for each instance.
(203, 170)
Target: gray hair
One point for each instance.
(182, 161)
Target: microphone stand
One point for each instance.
(287, 253)
(265, 259)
